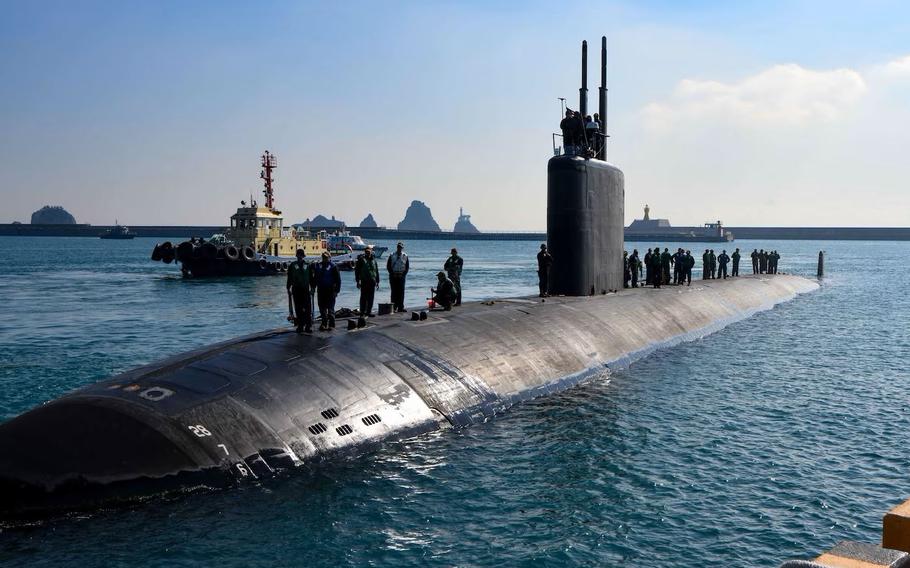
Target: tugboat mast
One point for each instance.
(269, 163)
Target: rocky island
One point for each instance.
(369, 222)
(52, 215)
(418, 218)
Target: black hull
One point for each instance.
(203, 268)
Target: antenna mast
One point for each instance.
(269, 163)
(602, 154)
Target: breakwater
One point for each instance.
(187, 231)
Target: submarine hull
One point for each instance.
(252, 407)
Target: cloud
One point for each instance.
(787, 145)
(897, 69)
(780, 95)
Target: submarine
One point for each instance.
(260, 405)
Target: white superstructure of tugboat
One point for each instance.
(256, 244)
(344, 242)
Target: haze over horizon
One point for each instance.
(759, 114)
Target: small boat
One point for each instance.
(344, 242)
(118, 232)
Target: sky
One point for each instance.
(155, 113)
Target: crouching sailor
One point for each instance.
(300, 284)
(444, 294)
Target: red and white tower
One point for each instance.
(269, 163)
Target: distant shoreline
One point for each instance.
(748, 233)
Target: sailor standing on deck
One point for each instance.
(689, 262)
(300, 282)
(626, 269)
(704, 265)
(453, 266)
(647, 262)
(655, 267)
(722, 261)
(366, 275)
(665, 259)
(544, 260)
(635, 267)
(712, 264)
(328, 284)
(398, 266)
(736, 256)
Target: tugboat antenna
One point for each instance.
(269, 163)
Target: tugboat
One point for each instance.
(256, 244)
(118, 231)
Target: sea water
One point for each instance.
(774, 438)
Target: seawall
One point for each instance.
(185, 232)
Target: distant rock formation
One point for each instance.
(52, 215)
(464, 224)
(323, 222)
(368, 222)
(418, 218)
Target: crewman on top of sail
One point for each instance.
(754, 256)
(568, 127)
(597, 139)
(300, 282)
(444, 293)
(591, 130)
(735, 256)
(712, 264)
(366, 275)
(328, 284)
(453, 267)
(398, 266)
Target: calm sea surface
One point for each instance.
(774, 438)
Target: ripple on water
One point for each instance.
(774, 438)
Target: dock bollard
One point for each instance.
(821, 263)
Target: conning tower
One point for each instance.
(585, 196)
